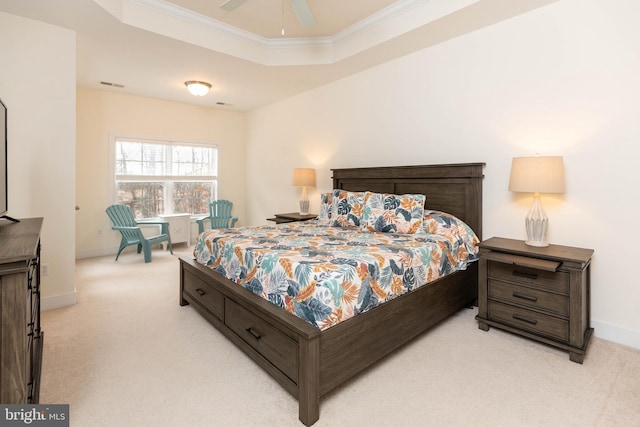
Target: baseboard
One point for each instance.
(58, 301)
(616, 333)
(94, 253)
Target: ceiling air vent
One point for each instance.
(112, 84)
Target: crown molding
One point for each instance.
(377, 19)
(167, 19)
(189, 16)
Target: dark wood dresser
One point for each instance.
(539, 293)
(21, 337)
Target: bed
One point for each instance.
(309, 361)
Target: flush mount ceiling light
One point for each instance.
(197, 88)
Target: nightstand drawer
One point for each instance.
(529, 297)
(551, 280)
(529, 320)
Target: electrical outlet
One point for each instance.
(44, 269)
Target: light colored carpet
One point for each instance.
(127, 354)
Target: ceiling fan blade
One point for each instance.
(232, 4)
(303, 13)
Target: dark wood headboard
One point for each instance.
(455, 188)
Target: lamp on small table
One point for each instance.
(543, 174)
(304, 177)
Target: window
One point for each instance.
(164, 177)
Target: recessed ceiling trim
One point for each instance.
(189, 16)
(230, 5)
(391, 22)
(165, 18)
(377, 19)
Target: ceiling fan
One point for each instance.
(300, 7)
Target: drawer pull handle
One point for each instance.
(531, 276)
(524, 319)
(525, 297)
(200, 292)
(254, 333)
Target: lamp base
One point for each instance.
(536, 223)
(304, 207)
(536, 244)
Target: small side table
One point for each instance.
(539, 293)
(291, 217)
(179, 228)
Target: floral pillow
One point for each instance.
(326, 203)
(393, 213)
(346, 208)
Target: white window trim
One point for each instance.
(111, 155)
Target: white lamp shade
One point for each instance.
(544, 174)
(304, 177)
(197, 88)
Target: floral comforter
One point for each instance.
(326, 274)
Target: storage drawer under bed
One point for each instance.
(277, 351)
(211, 299)
(275, 346)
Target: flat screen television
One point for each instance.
(4, 173)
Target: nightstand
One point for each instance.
(539, 293)
(291, 217)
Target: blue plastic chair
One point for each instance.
(219, 216)
(125, 222)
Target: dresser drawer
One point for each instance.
(276, 347)
(556, 281)
(211, 299)
(532, 321)
(529, 297)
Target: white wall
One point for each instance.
(102, 115)
(560, 80)
(37, 84)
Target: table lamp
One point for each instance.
(304, 177)
(543, 174)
